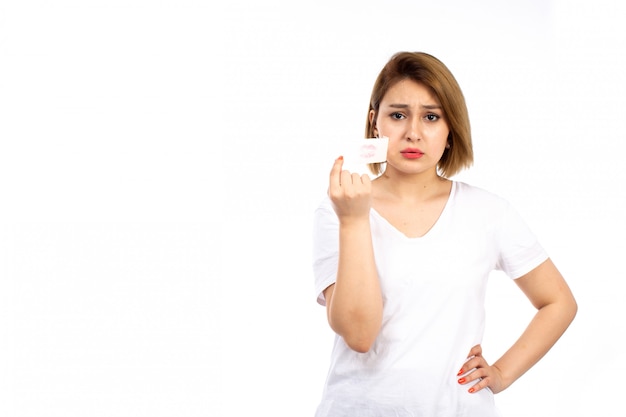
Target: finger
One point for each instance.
(475, 376)
(335, 172)
(346, 178)
(475, 360)
(473, 371)
(476, 363)
(482, 383)
(361, 181)
(476, 351)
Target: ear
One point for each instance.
(372, 119)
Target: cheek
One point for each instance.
(391, 129)
(442, 132)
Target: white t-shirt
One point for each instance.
(433, 292)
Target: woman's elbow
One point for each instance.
(360, 345)
(573, 308)
(567, 308)
(358, 338)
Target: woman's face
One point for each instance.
(411, 116)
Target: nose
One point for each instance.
(414, 132)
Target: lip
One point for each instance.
(412, 153)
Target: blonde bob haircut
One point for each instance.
(431, 72)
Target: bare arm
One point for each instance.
(556, 308)
(354, 302)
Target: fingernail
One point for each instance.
(471, 390)
(460, 372)
(340, 158)
(462, 381)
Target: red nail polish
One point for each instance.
(460, 372)
(471, 390)
(462, 380)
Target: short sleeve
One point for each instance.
(519, 249)
(325, 248)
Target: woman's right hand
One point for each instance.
(350, 193)
(354, 303)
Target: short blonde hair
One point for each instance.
(431, 72)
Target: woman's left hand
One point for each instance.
(479, 374)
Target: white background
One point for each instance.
(160, 162)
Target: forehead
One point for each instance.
(410, 92)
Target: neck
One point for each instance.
(412, 187)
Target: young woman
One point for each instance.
(401, 263)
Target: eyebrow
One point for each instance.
(404, 106)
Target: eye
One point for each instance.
(397, 116)
(431, 117)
